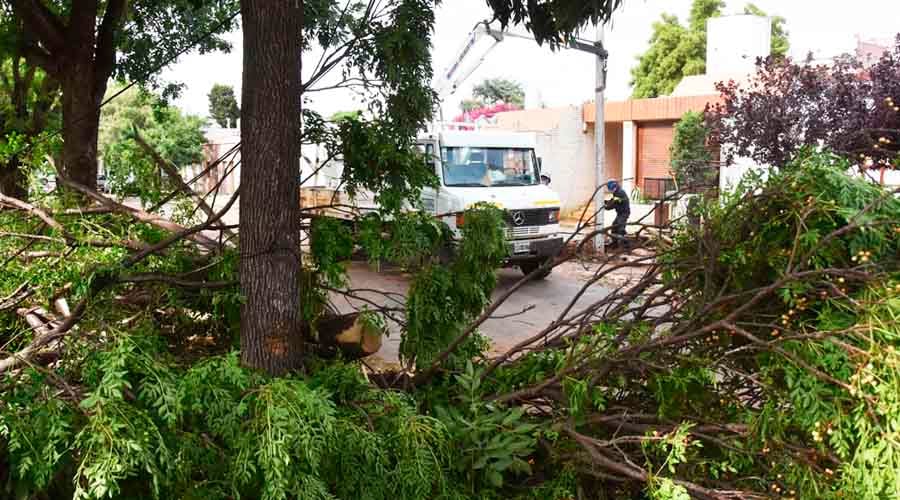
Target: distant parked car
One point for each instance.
(102, 185)
(47, 183)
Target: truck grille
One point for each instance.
(529, 217)
(522, 232)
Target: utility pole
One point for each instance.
(600, 139)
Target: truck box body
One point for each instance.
(473, 167)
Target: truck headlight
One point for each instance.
(553, 216)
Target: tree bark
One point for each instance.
(271, 333)
(80, 56)
(81, 103)
(22, 90)
(13, 181)
(81, 121)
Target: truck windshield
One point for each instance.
(486, 167)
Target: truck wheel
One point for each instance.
(530, 266)
(446, 254)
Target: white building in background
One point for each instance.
(219, 142)
(222, 146)
(317, 170)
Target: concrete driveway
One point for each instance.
(546, 299)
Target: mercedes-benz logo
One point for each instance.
(518, 218)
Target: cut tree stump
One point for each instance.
(346, 334)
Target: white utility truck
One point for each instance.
(500, 168)
(478, 166)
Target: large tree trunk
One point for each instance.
(81, 102)
(81, 121)
(13, 181)
(271, 334)
(79, 53)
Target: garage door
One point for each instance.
(653, 144)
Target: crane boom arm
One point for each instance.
(454, 75)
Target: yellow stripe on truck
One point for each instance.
(545, 203)
(495, 203)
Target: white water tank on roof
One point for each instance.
(733, 43)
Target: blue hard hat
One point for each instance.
(612, 184)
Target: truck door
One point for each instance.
(432, 161)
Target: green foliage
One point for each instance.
(392, 47)
(379, 160)
(331, 245)
(467, 105)
(666, 489)
(177, 138)
(379, 155)
(796, 281)
(152, 31)
(803, 219)
(812, 198)
(677, 51)
(495, 91)
(149, 428)
(443, 299)
(489, 440)
(223, 106)
(29, 107)
(36, 439)
(408, 238)
(345, 115)
(553, 22)
(689, 154)
(674, 448)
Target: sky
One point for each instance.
(824, 27)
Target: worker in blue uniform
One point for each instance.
(620, 203)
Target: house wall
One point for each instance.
(614, 144)
(566, 147)
(228, 171)
(659, 108)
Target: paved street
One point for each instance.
(543, 299)
(549, 298)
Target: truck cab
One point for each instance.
(500, 168)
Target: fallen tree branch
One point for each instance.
(68, 322)
(45, 338)
(15, 298)
(37, 212)
(143, 216)
(633, 473)
(176, 179)
(190, 232)
(176, 281)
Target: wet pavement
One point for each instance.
(525, 313)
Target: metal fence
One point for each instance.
(705, 180)
(655, 188)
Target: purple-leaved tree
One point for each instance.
(847, 108)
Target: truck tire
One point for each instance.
(530, 266)
(446, 254)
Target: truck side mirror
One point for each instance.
(545, 179)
